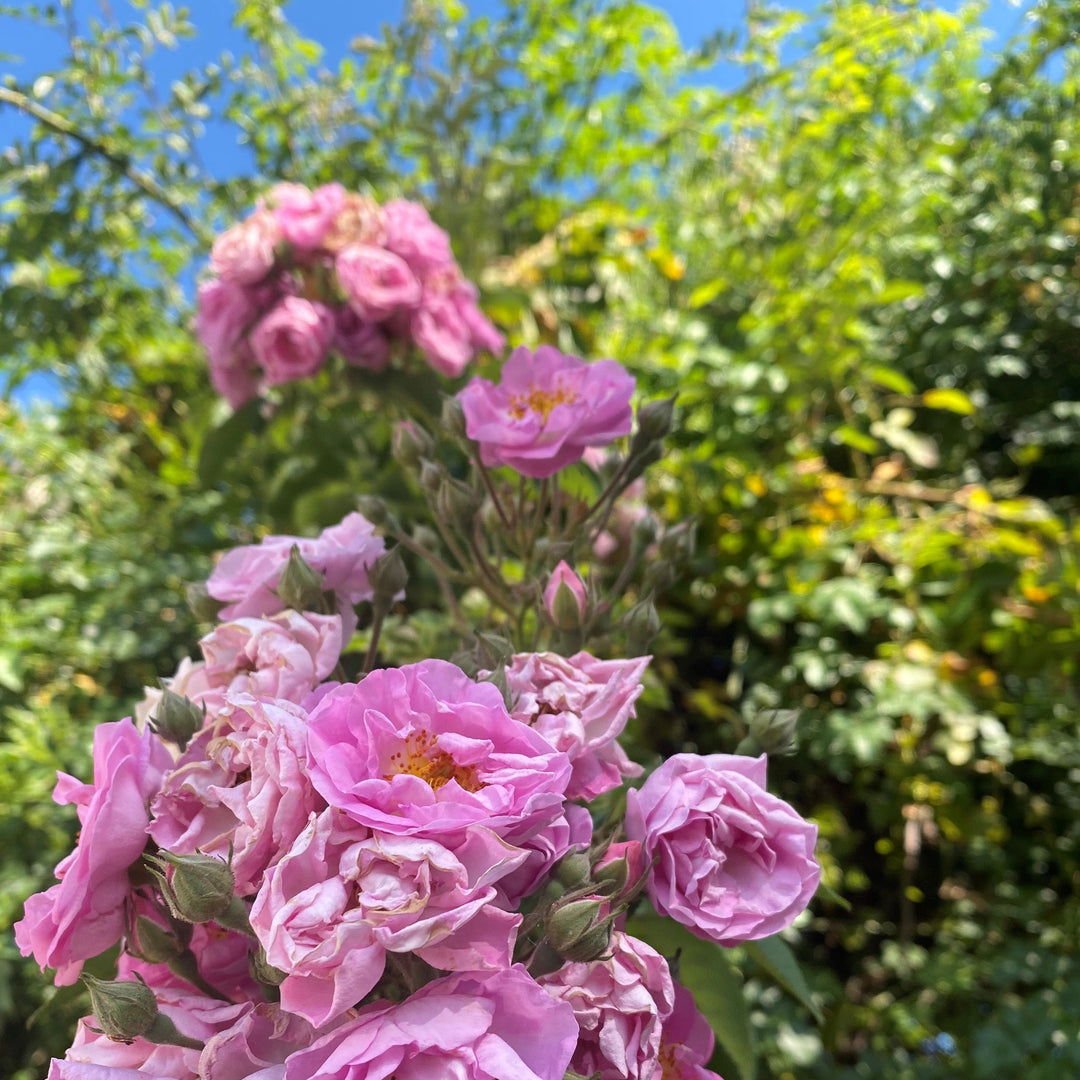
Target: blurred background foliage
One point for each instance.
(858, 271)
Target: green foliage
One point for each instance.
(857, 270)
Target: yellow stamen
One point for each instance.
(420, 757)
(540, 401)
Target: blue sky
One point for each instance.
(26, 52)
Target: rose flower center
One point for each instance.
(540, 401)
(670, 1069)
(421, 757)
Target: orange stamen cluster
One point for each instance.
(540, 401)
(421, 757)
(669, 1067)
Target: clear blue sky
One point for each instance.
(26, 52)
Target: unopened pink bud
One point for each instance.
(564, 598)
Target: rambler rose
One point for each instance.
(244, 254)
(376, 282)
(547, 410)
(83, 915)
(580, 705)
(246, 577)
(734, 863)
(303, 216)
(292, 340)
(497, 1026)
(425, 750)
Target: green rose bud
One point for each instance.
(176, 718)
(300, 585)
(199, 888)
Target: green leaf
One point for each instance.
(859, 440)
(222, 442)
(703, 294)
(954, 400)
(774, 955)
(706, 970)
(891, 379)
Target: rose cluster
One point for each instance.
(314, 272)
(313, 878)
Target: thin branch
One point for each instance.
(142, 180)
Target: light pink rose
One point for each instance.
(580, 705)
(361, 344)
(442, 335)
(734, 862)
(305, 919)
(96, 1057)
(235, 380)
(242, 785)
(244, 254)
(497, 1026)
(224, 312)
(621, 1004)
(425, 750)
(291, 341)
(687, 1041)
(341, 898)
(359, 221)
(83, 914)
(376, 282)
(482, 332)
(265, 1035)
(414, 237)
(282, 656)
(304, 216)
(547, 410)
(245, 577)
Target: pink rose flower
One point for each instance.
(224, 311)
(580, 705)
(621, 1004)
(84, 914)
(734, 862)
(341, 898)
(96, 1057)
(425, 750)
(497, 1026)
(571, 829)
(482, 332)
(359, 221)
(264, 1036)
(442, 335)
(291, 342)
(414, 237)
(564, 576)
(244, 254)
(376, 282)
(304, 216)
(687, 1041)
(282, 656)
(547, 410)
(245, 577)
(361, 344)
(242, 785)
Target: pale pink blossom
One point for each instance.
(442, 335)
(425, 750)
(580, 705)
(305, 217)
(83, 914)
(734, 863)
(291, 341)
(687, 1041)
(414, 237)
(621, 1004)
(547, 410)
(245, 577)
(376, 282)
(491, 1026)
(281, 656)
(244, 253)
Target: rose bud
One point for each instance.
(199, 889)
(579, 930)
(176, 718)
(127, 1010)
(300, 586)
(565, 599)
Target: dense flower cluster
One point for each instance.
(314, 272)
(312, 878)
